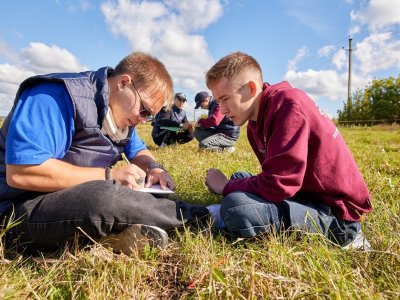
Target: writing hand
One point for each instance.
(129, 175)
(160, 176)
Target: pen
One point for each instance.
(128, 162)
(125, 158)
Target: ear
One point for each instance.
(124, 80)
(252, 88)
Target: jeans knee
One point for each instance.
(246, 217)
(98, 197)
(240, 175)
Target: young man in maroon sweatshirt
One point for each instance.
(309, 179)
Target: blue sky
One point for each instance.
(296, 40)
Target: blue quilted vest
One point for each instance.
(90, 147)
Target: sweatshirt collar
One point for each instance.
(266, 96)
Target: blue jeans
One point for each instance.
(98, 208)
(247, 215)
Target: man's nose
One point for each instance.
(224, 109)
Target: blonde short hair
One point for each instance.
(149, 74)
(232, 66)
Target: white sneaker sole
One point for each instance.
(359, 243)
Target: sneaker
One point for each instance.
(230, 149)
(359, 243)
(135, 238)
(215, 216)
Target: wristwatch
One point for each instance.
(107, 173)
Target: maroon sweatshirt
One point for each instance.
(303, 155)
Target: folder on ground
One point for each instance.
(171, 128)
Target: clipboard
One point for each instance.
(175, 129)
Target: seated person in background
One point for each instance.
(217, 132)
(174, 117)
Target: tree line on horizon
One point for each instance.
(377, 103)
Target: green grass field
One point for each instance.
(275, 267)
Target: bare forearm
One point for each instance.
(143, 159)
(52, 175)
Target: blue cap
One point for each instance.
(200, 97)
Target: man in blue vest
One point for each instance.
(57, 148)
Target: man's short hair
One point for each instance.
(150, 74)
(231, 66)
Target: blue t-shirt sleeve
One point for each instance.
(42, 126)
(134, 146)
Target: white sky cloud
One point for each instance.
(38, 58)
(354, 30)
(9, 85)
(302, 52)
(195, 15)
(168, 31)
(378, 13)
(326, 50)
(329, 84)
(339, 59)
(325, 83)
(46, 59)
(376, 52)
(8, 53)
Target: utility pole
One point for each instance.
(349, 77)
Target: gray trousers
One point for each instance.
(212, 140)
(98, 208)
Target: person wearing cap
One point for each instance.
(175, 119)
(309, 180)
(216, 132)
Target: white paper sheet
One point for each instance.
(156, 189)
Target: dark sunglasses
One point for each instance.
(143, 112)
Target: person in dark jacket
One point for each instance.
(216, 132)
(171, 126)
(309, 179)
(58, 149)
